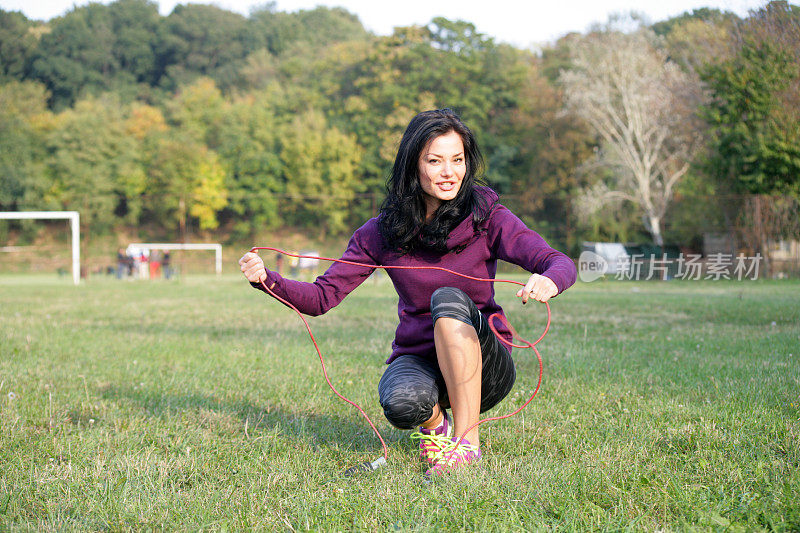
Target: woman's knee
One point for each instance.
(407, 408)
(408, 391)
(452, 303)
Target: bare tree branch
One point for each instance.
(635, 99)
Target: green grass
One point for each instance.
(201, 405)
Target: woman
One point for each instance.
(444, 356)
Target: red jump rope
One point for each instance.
(380, 461)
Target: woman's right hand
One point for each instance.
(253, 267)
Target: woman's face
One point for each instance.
(442, 166)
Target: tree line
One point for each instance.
(208, 121)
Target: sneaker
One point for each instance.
(452, 457)
(432, 441)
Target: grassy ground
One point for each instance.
(200, 404)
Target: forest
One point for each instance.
(206, 124)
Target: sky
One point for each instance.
(523, 23)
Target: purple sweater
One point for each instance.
(505, 237)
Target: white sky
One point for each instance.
(523, 23)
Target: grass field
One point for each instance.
(201, 405)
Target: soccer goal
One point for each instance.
(74, 224)
(216, 248)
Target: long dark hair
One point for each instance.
(403, 212)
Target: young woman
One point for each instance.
(444, 356)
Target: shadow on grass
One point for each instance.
(351, 433)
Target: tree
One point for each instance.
(137, 27)
(185, 179)
(754, 112)
(147, 126)
(249, 149)
(22, 156)
(259, 70)
(545, 146)
(17, 43)
(198, 110)
(700, 39)
(641, 106)
(373, 90)
(320, 163)
(319, 28)
(203, 40)
(708, 15)
(93, 165)
(76, 56)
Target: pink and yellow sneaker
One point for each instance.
(452, 457)
(432, 441)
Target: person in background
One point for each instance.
(155, 264)
(122, 263)
(144, 273)
(166, 266)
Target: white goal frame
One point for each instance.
(217, 248)
(74, 224)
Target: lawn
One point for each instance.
(200, 404)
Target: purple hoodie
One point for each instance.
(504, 236)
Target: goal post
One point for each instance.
(74, 224)
(217, 248)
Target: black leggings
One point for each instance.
(412, 385)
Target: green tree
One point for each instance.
(203, 40)
(694, 43)
(184, 180)
(98, 48)
(320, 171)
(707, 15)
(373, 90)
(198, 110)
(754, 114)
(137, 29)
(147, 126)
(18, 40)
(92, 165)
(301, 104)
(250, 149)
(75, 57)
(317, 28)
(23, 107)
(259, 70)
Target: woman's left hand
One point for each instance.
(540, 288)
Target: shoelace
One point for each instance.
(453, 453)
(429, 441)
